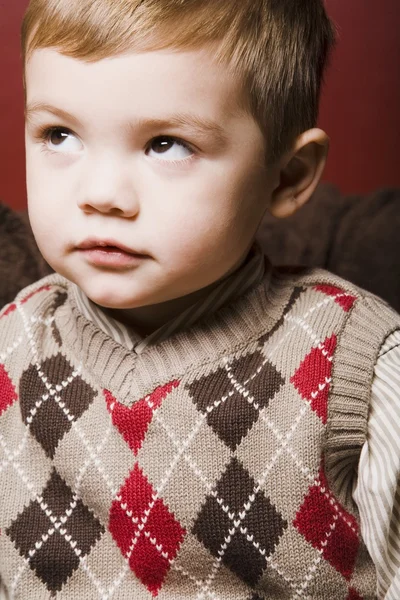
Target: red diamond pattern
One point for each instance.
(146, 532)
(353, 595)
(8, 395)
(133, 422)
(344, 300)
(312, 378)
(326, 525)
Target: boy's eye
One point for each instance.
(59, 139)
(169, 148)
(62, 140)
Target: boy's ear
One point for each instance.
(299, 172)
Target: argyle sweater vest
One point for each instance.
(217, 464)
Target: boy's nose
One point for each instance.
(107, 188)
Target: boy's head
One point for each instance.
(189, 119)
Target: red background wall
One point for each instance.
(360, 107)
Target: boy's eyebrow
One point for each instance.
(36, 107)
(199, 124)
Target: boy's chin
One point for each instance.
(111, 298)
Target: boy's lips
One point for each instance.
(110, 253)
(108, 245)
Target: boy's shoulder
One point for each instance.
(318, 279)
(33, 302)
(314, 291)
(314, 276)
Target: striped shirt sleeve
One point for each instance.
(377, 492)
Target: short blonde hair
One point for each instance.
(278, 48)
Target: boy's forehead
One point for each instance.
(192, 70)
(185, 89)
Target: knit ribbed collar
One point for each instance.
(129, 376)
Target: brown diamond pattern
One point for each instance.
(55, 534)
(50, 420)
(238, 507)
(233, 418)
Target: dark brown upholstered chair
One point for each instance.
(356, 237)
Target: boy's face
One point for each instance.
(157, 157)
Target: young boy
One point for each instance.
(177, 418)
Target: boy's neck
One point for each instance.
(147, 319)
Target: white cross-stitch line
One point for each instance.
(30, 487)
(181, 449)
(287, 317)
(207, 594)
(305, 326)
(335, 506)
(47, 321)
(10, 349)
(120, 577)
(272, 564)
(186, 455)
(92, 454)
(18, 469)
(197, 582)
(299, 592)
(52, 393)
(103, 594)
(93, 458)
(15, 453)
(313, 568)
(142, 524)
(289, 449)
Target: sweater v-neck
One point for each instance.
(132, 376)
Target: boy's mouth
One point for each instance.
(107, 246)
(109, 253)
